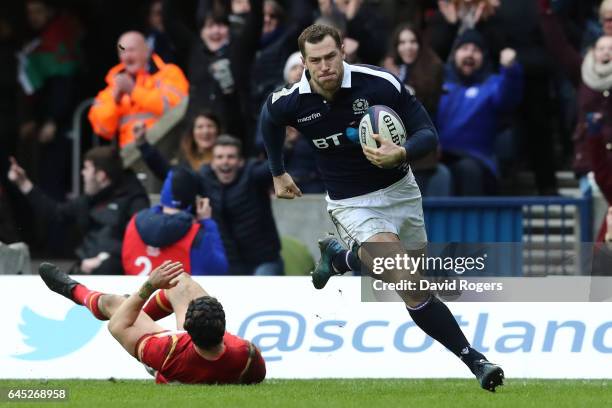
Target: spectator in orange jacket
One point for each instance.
(137, 91)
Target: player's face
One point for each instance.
(468, 59)
(324, 63)
(205, 133)
(92, 179)
(133, 52)
(603, 50)
(407, 47)
(225, 163)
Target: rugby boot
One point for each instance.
(56, 280)
(489, 375)
(324, 270)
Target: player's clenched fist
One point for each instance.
(285, 187)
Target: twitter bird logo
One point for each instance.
(52, 338)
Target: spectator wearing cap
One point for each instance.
(454, 17)
(179, 229)
(470, 109)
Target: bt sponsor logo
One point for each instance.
(277, 332)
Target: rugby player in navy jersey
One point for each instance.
(372, 194)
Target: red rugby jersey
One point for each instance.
(173, 356)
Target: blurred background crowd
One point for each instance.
(513, 86)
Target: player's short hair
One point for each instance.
(229, 140)
(107, 159)
(315, 33)
(205, 322)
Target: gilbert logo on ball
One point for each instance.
(383, 120)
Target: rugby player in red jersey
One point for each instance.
(199, 352)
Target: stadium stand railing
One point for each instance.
(536, 235)
(130, 154)
(76, 135)
(545, 235)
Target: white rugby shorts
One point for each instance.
(397, 209)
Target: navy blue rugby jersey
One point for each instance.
(344, 168)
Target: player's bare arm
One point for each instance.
(387, 156)
(127, 325)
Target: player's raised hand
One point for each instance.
(285, 187)
(164, 276)
(387, 156)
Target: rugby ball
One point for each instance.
(383, 120)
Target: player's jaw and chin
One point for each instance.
(329, 82)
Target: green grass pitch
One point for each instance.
(328, 393)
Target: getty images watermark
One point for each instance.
(490, 272)
(405, 264)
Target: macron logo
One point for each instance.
(309, 117)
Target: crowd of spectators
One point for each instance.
(511, 85)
